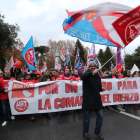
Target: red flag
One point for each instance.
(128, 26)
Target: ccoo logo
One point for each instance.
(21, 105)
(30, 56)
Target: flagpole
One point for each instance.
(111, 58)
(70, 65)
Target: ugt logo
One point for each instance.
(21, 105)
(29, 56)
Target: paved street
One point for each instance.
(116, 126)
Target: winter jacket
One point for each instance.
(91, 91)
(45, 78)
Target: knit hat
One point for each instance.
(92, 62)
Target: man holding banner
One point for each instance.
(92, 100)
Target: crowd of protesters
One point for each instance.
(49, 75)
(30, 77)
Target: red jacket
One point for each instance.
(29, 81)
(4, 83)
(66, 77)
(59, 77)
(75, 78)
(122, 77)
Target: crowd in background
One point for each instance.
(49, 75)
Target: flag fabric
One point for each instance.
(28, 54)
(100, 66)
(128, 26)
(64, 66)
(57, 61)
(119, 66)
(112, 66)
(24, 68)
(6, 63)
(81, 66)
(94, 24)
(44, 68)
(134, 68)
(67, 57)
(11, 63)
(92, 55)
(62, 54)
(77, 59)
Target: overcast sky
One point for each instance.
(43, 19)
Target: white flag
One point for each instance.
(135, 68)
(10, 64)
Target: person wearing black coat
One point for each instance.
(92, 99)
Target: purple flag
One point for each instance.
(119, 61)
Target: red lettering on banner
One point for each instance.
(48, 89)
(77, 101)
(63, 102)
(129, 84)
(125, 85)
(57, 106)
(115, 97)
(47, 104)
(104, 85)
(70, 102)
(107, 86)
(51, 88)
(124, 97)
(67, 88)
(55, 88)
(41, 88)
(40, 104)
(71, 88)
(74, 88)
(119, 85)
(136, 96)
(105, 98)
(135, 85)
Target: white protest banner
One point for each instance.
(62, 95)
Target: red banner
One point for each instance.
(128, 26)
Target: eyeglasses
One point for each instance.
(92, 66)
(1, 73)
